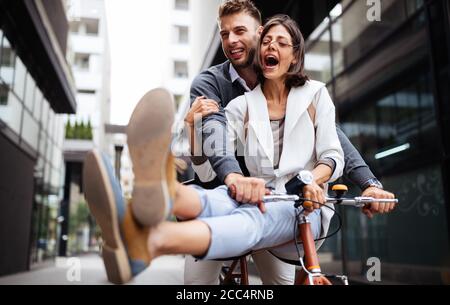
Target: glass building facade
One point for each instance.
(28, 121)
(389, 81)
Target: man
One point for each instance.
(240, 25)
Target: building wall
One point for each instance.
(389, 81)
(16, 194)
(381, 77)
(32, 168)
(203, 31)
(56, 12)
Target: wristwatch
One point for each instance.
(373, 183)
(296, 184)
(306, 177)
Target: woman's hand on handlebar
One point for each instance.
(314, 193)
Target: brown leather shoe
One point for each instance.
(149, 139)
(124, 249)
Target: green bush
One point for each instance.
(79, 131)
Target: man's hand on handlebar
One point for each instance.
(371, 209)
(247, 190)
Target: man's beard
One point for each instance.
(250, 59)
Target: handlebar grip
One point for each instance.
(307, 204)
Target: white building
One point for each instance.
(176, 77)
(90, 60)
(175, 45)
(185, 33)
(204, 39)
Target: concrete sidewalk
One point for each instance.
(166, 270)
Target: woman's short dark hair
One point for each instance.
(296, 76)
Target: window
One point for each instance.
(181, 69)
(181, 34)
(402, 118)
(39, 169)
(448, 13)
(74, 26)
(29, 92)
(7, 61)
(354, 35)
(4, 89)
(11, 112)
(51, 124)
(42, 145)
(85, 26)
(318, 59)
(81, 61)
(91, 26)
(47, 175)
(8, 54)
(30, 130)
(386, 109)
(182, 5)
(86, 91)
(49, 152)
(19, 78)
(59, 132)
(44, 118)
(413, 6)
(37, 104)
(55, 181)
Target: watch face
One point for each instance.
(306, 177)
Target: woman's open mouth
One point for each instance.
(271, 61)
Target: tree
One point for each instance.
(69, 130)
(89, 130)
(76, 131)
(82, 132)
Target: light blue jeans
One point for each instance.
(237, 229)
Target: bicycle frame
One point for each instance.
(311, 268)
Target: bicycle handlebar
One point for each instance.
(355, 202)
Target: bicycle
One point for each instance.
(311, 273)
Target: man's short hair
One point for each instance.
(231, 7)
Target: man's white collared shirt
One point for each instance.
(235, 76)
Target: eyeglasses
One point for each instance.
(280, 43)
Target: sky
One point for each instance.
(134, 33)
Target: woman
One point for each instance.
(287, 124)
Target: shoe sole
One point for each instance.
(102, 204)
(148, 139)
